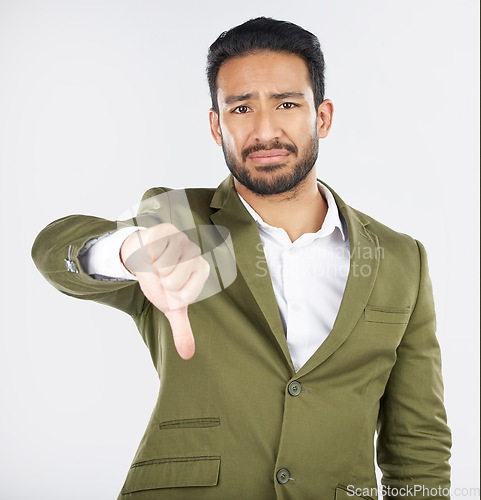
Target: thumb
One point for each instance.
(181, 331)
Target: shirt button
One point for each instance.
(296, 307)
(283, 476)
(294, 388)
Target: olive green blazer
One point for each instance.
(236, 421)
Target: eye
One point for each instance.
(241, 109)
(287, 105)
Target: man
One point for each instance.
(323, 334)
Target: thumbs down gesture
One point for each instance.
(171, 273)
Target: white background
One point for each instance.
(100, 100)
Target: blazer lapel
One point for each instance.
(249, 256)
(364, 262)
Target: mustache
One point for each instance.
(265, 147)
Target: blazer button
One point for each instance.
(294, 388)
(283, 476)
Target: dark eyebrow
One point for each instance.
(237, 98)
(287, 95)
(245, 97)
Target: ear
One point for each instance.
(324, 118)
(215, 127)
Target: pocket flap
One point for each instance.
(380, 315)
(172, 472)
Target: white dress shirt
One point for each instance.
(308, 275)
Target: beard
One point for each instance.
(276, 183)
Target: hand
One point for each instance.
(171, 273)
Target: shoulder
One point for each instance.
(385, 233)
(400, 245)
(170, 204)
(386, 237)
(399, 255)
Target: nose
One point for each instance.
(266, 126)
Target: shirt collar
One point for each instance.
(331, 221)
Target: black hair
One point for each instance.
(265, 33)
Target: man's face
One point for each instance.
(267, 124)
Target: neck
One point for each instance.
(299, 211)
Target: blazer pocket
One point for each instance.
(172, 473)
(387, 315)
(348, 493)
(190, 423)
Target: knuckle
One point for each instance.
(195, 250)
(183, 238)
(163, 230)
(167, 227)
(164, 271)
(184, 296)
(169, 283)
(178, 239)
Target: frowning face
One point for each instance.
(267, 124)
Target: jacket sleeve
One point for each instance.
(58, 248)
(56, 254)
(414, 441)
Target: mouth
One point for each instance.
(269, 156)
